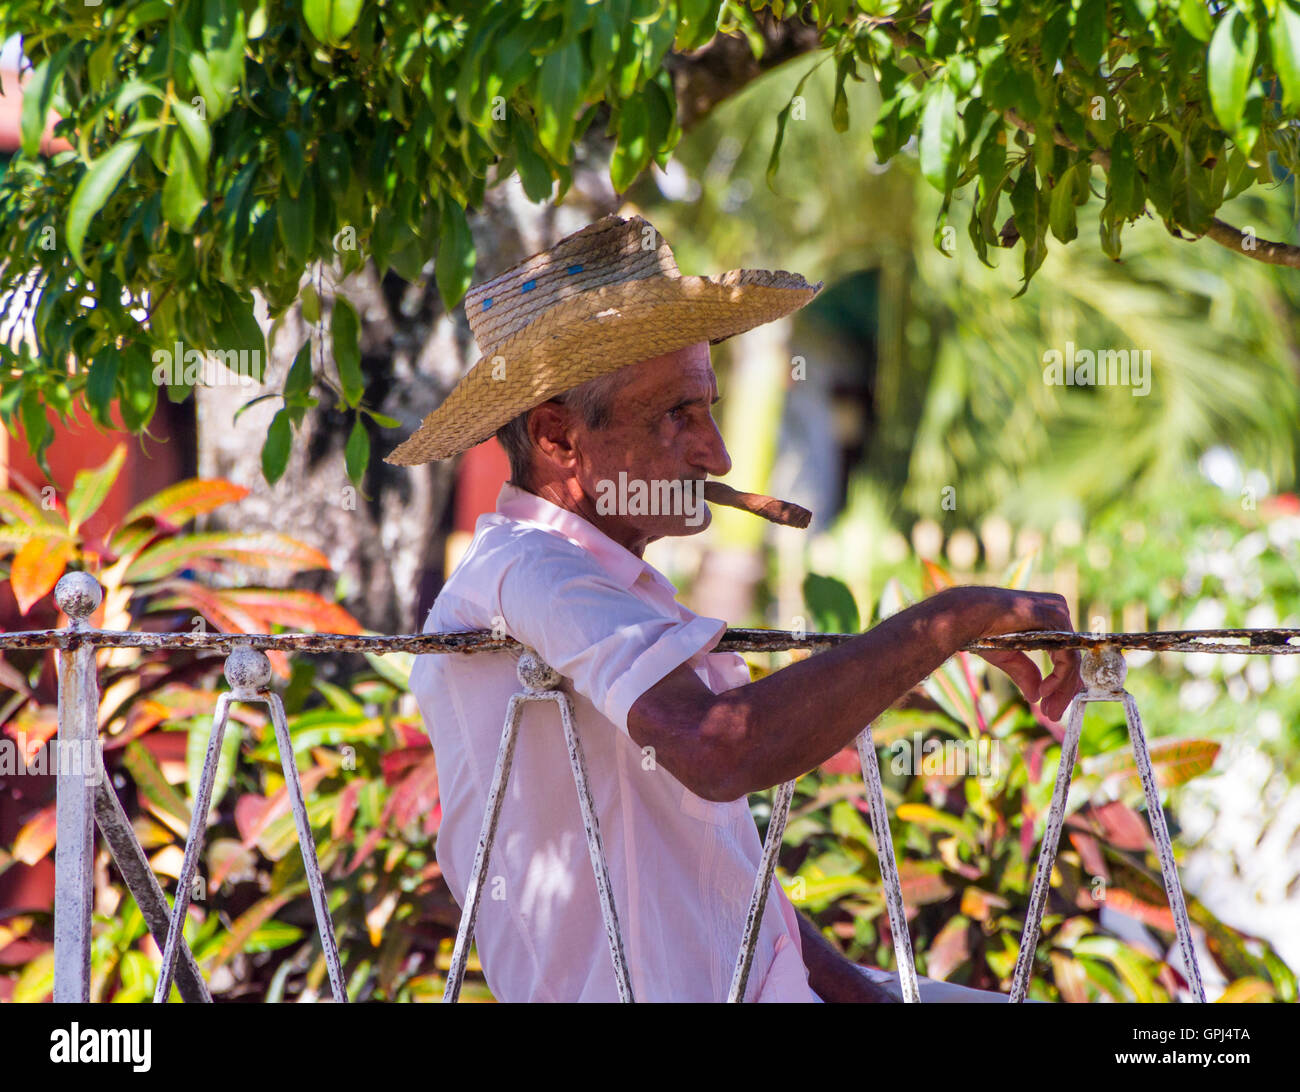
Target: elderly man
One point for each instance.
(596, 371)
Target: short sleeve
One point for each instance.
(610, 644)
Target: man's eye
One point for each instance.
(676, 411)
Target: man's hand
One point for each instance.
(1004, 610)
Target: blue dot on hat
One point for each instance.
(487, 303)
(574, 269)
(528, 286)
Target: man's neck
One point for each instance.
(569, 495)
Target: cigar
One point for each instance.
(778, 511)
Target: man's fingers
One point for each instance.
(1020, 669)
(1062, 684)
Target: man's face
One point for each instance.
(663, 442)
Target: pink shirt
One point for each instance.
(682, 868)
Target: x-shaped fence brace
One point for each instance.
(85, 801)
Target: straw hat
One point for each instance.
(602, 298)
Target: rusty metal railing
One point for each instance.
(82, 803)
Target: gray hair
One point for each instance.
(592, 402)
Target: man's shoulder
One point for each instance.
(505, 544)
(513, 552)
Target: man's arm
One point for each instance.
(832, 977)
(724, 746)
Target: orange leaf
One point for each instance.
(176, 505)
(934, 577)
(262, 551)
(290, 607)
(37, 568)
(36, 838)
(1161, 917)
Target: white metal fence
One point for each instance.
(84, 802)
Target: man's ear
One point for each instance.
(551, 428)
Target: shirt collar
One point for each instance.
(620, 562)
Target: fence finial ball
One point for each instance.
(248, 669)
(78, 595)
(1104, 668)
(535, 673)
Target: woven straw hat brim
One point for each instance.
(594, 333)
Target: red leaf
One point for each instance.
(261, 812)
(846, 762)
(1090, 854)
(1122, 826)
(417, 794)
(411, 736)
(367, 847)
(395, 763)
(347, 808)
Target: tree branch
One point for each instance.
(713, 73)
(1261, 250)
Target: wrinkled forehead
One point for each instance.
(686, 373)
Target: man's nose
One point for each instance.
(711, 452)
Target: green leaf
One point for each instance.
(182, 195)
(1195, 17)
(275, 450)
(101, 385)
(831, 604)
(331, 20)
(1026, 207)
(454, 266)
(782, 119)
(94, 189)
(345, 334)
(299, 380)
(239, 343)
(223, 41)
(1284, 34)
(938, 148)
(91, 487)
(356, 455)
(1089, 40)
(295, 217)
(292, 160)
(1061, 214)
(195, 130)
(1122, 176)
(533, 171)
(37, 96)
(150, 782)
(196, 750)
(139, 393)
(632, 152)
(1229, 65)
(559, 94)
